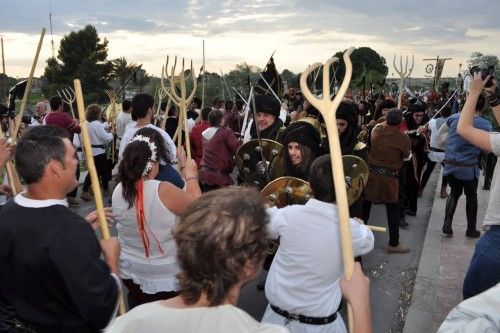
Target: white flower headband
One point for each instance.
(152, 148)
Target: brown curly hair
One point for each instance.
(219, 233)
(93, 112)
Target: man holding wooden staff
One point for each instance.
(52, 278)
(302, 285)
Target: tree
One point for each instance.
(364, 60)
(291, 79)
(484, 61)
(81, 56)
(142, 79)
(122, 71)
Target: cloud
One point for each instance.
(244, 30)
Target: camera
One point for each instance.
(484, 73)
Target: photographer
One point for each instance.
(461, 167)
(484, 268)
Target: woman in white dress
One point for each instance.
(146, 210)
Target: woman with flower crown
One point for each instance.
(146, 210)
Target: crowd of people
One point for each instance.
(188, 239)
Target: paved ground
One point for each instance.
(443, 265)
(392, 275)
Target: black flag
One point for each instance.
(273, 78)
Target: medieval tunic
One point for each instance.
(389, 147)
(219, 146)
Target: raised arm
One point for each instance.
(465, 127)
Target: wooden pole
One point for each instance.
(203, 79)
(87, 146)
(19, 116)
(3, 58)
(328, 110)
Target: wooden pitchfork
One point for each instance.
(328, 110)
(403, 74)
(68, 96)
(181, 101)
(112, 118)
(161, 96)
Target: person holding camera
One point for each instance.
(484, 268)
(461, 167)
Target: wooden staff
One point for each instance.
(203, 79)
(87, 146)
(19, 116)
(181, 101)
(404, 73)
(328, 109)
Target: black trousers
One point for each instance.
(459, 186)
(491, 162)
(102, 168)
(392, 210)
(412, 185)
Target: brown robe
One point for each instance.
(389, 147)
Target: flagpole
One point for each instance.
(267, 84)
(203, 79)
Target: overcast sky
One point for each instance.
(301, 32)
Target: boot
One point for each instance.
(397, 249)
(420, 191)
(402, 222)
(443, 194)
(471, 211)
(451, 205)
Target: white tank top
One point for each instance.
(157, 272)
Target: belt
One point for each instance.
(93, 146)
(437, 150)
(304, 319)
(383, 171)
(459, 164)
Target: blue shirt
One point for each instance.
(461, 151)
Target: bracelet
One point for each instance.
(191, 178)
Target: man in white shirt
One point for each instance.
(142, 106)
(302, 285)
(123, 119)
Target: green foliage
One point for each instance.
(82, 56)
(365, 61)
(292, 80)
(121, 72)
(5, 84)
(483, 61)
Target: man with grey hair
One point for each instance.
(41, 110)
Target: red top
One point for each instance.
(218, 162)
(64, 120)
(197, 142)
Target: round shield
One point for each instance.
(286, 191)
(258, 165)
(356, 176)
